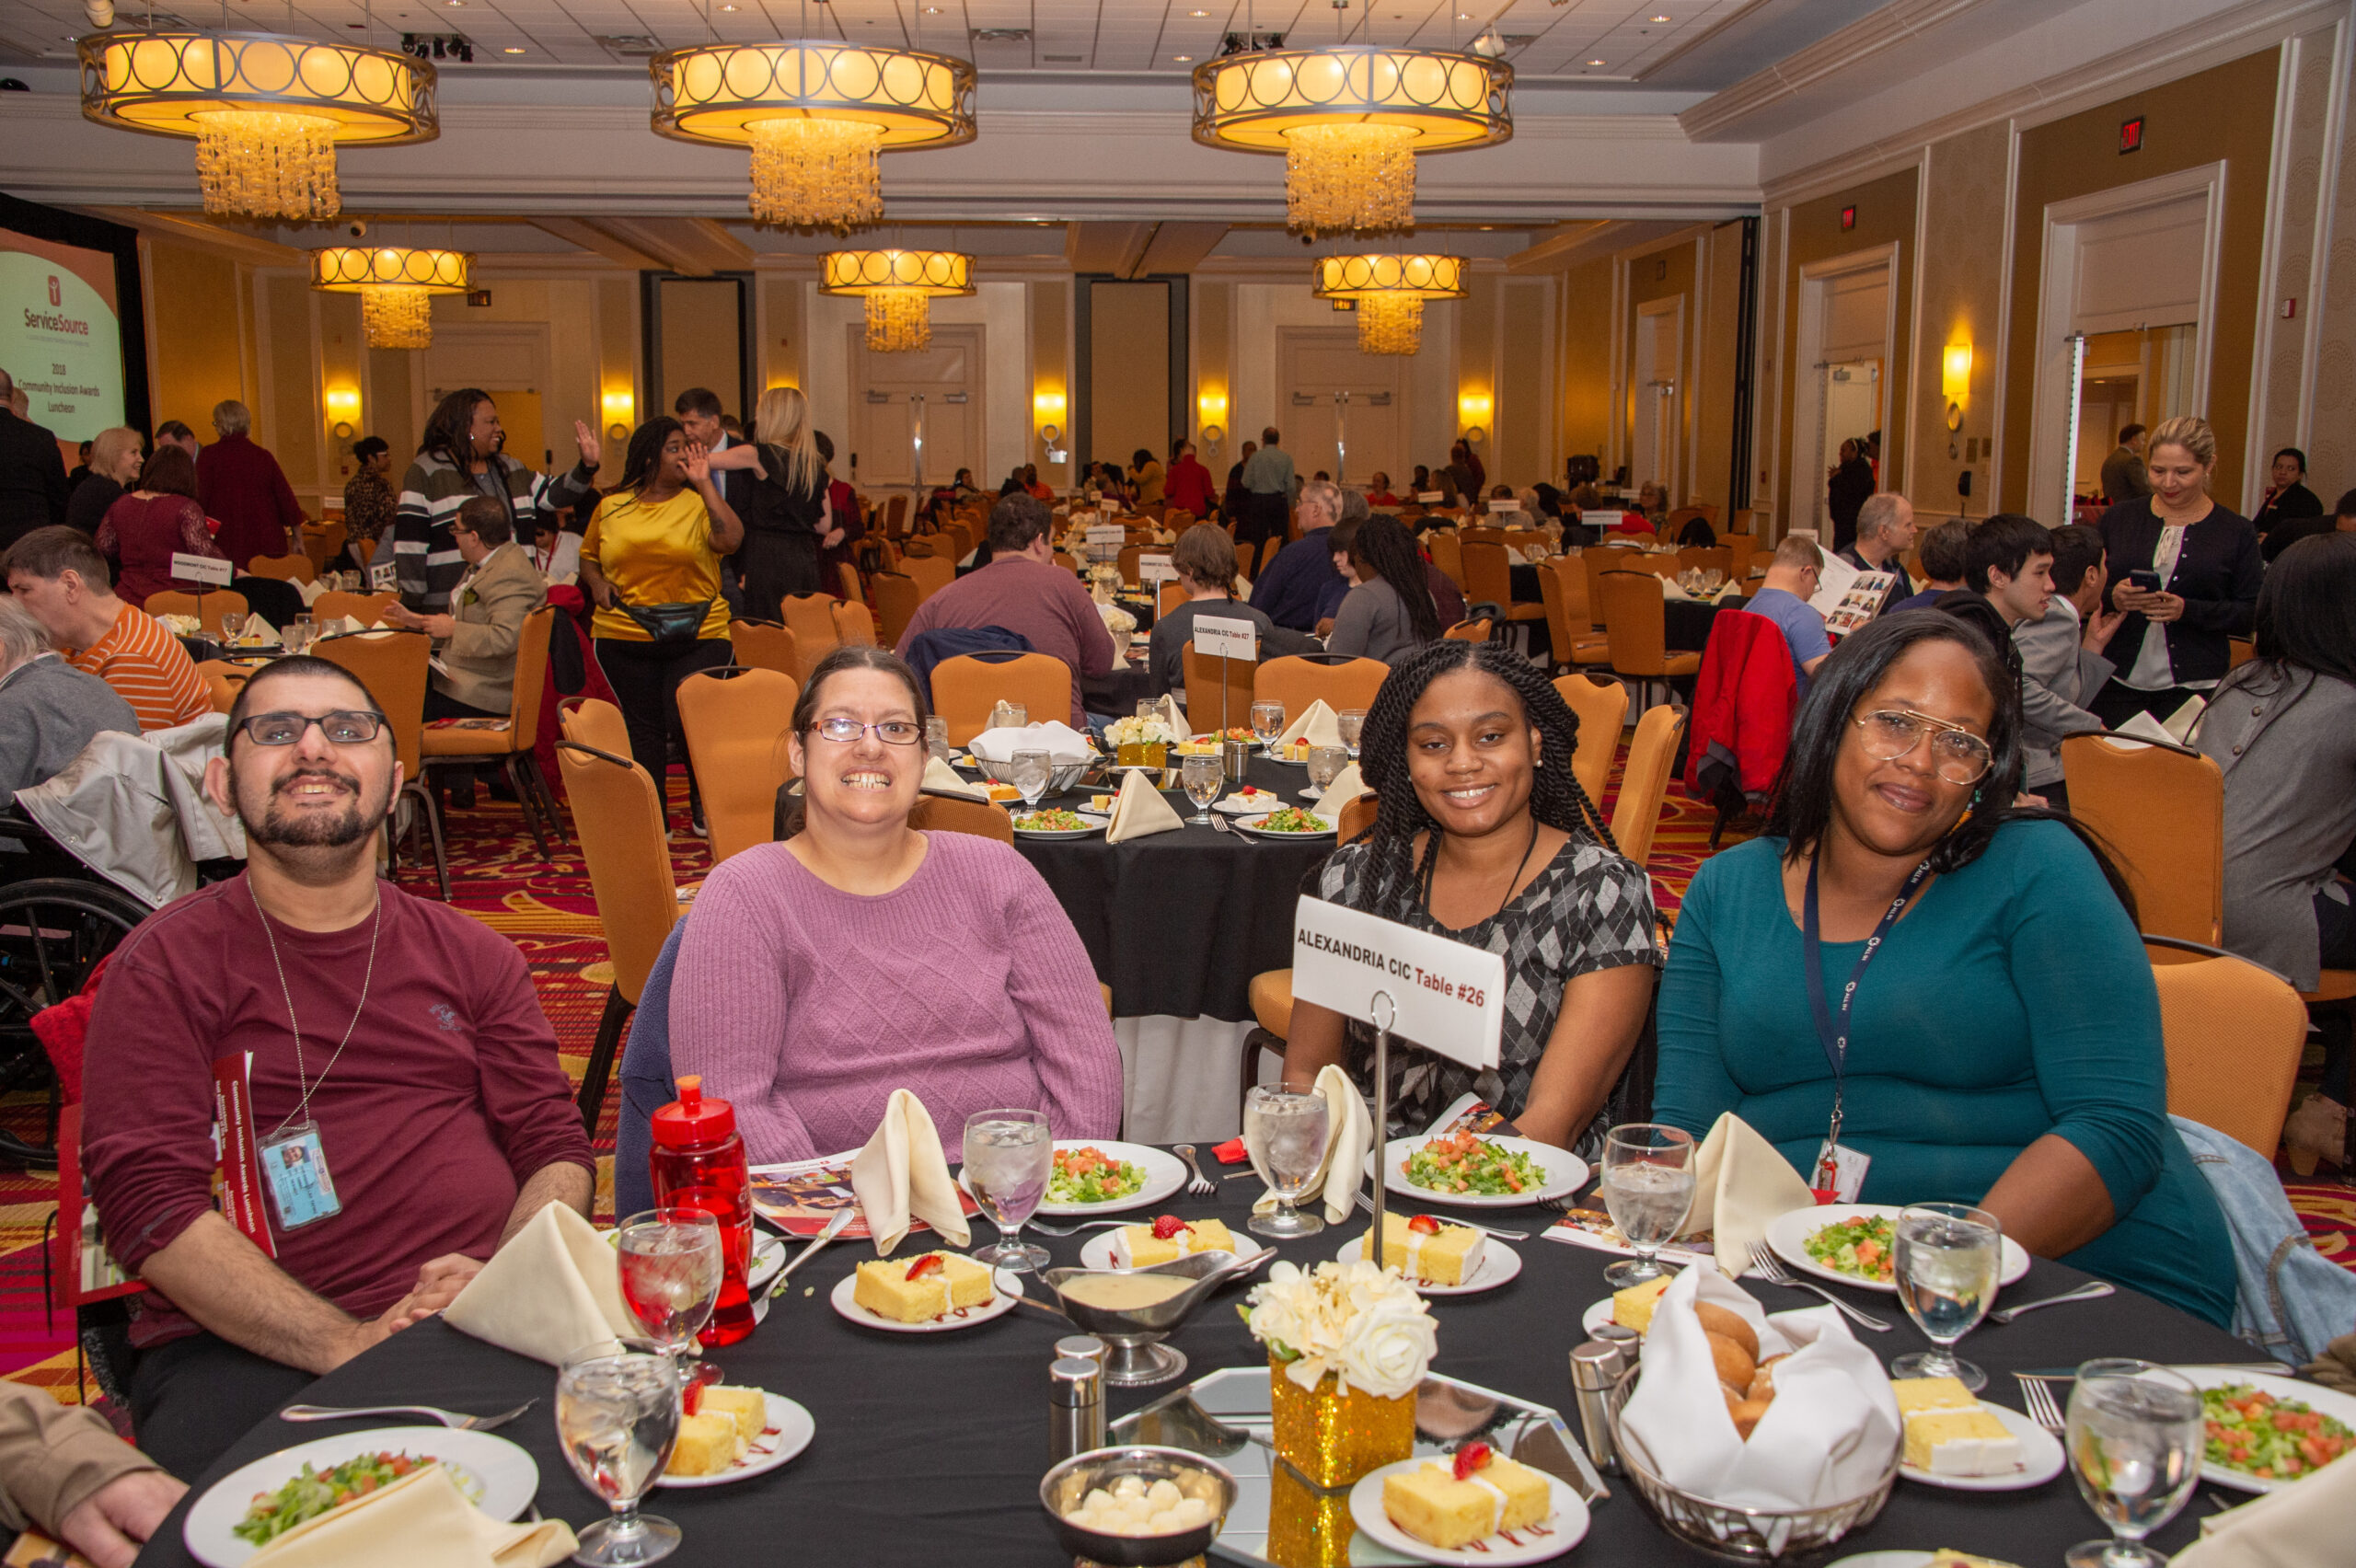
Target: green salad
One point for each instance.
(1859, 1247)
(312, 1492)
(2253, 1431)
(1462, 1163)
(1091, 1176)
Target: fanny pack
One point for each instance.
(669, 625)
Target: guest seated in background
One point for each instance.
(1338, 539)
(1390, 612)
(1941, 550)
(1484, 837)
(2291, 511)
(1652, 503)
(158, 518)
(63, 1470)
(1204, 559)
(1293, 585)
(1420, 485)
(1378, 491)
(2004, 1047)
(1884, 532)
(2282, 727)
(803, 993)
(1032, 486)
(477, 639)
(48, 710)
(447, 1129)
(1784, 596)
(1189, 485)
(2014, 561)
(1014, 485)
(58, 575)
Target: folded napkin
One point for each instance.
(940, 777)
(1058, 739)
(419, 1521)
(1345, 789)
(902, 1172)
(1740, 1184)
(1316, 725)
(1166, 709)
(347, 624)
(1672, 589)
(556, 1286)
(1349, 1133)
(2297, 1528)
(1138, 811)
(1829, 1435)
(311, 591)
(260, 630)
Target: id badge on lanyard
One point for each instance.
(294, 1168)
(1839, 1171)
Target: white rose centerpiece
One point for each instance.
(1136, 732)
(1348, 1346)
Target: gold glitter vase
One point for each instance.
(1332, 1437)
(1308, 1527)
(1143, 753)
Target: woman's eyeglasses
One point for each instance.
(346, 727)
(1956, 754)
(891, 732)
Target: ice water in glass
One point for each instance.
(1268, 721)
(936, 737)
(2135, 1436)
(1944, 1264)
(1325, 765)
(1649, 1190)
(1351, 723)
(1285, 1132)
(1029, 772)
(1009, 1154)
(671, 1273)
(616, 1418)
(1204, 779)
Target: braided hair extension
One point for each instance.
(1555, 798)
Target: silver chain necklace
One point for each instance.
(302, 1079)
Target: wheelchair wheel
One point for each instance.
(53, 931)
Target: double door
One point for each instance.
(1341, 408)
(916, 417)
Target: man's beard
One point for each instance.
(284, 830)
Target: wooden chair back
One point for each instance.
(366, 608)
(1705, 557)
(2161, 809)
(1067, 560)
(1206, 679)
(1635, 618)
(895, 516)
(1488, 575)
(2243, 650)
(1562, 588)
(954, 813)
(529, 689)
(811, 618)
(285, 568)
(765, 645)
(392, 666)
(593, 722)
(854, 628)
(618, 811)
(320, 542)
(1674, 523)
(215, 603)
(1172, 595)
(1603, 709)
(931, 573)
(1469, 632)
(1484, 534)
(966, 689)
(1448, 554)
(898, 594)
(961, 540)
(1742, 547)
(1356, 817)
(222, 681)
(1126, 563)
(1268, 551)
(1594, 561)
(847, 577)
(1297, 681)
(736, 723)
(1635, 815)
(2233, 1033)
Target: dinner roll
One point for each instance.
(1762, 1384)
(1735, 1365)
(1745, 1416)
(1717, 1320)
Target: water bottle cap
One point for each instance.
(692, 1119)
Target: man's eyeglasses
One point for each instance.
(344, 727)
(1956, 754)
(891, 732)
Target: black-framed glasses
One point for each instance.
(344, 727)
(1956, 754)
(891, 732)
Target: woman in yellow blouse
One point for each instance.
(651, 560)
(1145, 477)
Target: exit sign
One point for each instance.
(1848, 217)
(2130, 135)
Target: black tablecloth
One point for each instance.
(1179, 923)
(929, 1447)
(1686, 622)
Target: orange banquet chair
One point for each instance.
(368, 609)
(2234, 1032)
(217, 603)
(966, 687)
(811, 618)
(854, 628)
(932, 573)
(1270, 993)
(956, 813)
(2162, 811)
(222, 681)
(1562, 585)
(1213, 685)
(847, 579)
(1705, 557)
(1488, 577)
(1469, 632)
(736, 721)
(765, 645)
(1635, 622)
(1172, 595)
(1635, 815)
(897, 598)
(1448, 553)
(513, 745)
(1297, 681)
(392, 665)
(285, 568)
(1603, 709)
(320, 542)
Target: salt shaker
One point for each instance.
(1629, 1343)
(1080, 1347)
(1075, 1408)
(1595, 1366)
(1236, 755)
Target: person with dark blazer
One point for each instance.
(32, 471)
(2291, 511)
(2175, 642)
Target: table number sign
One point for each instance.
(203, 570)
(1429, 498)
(1450, 997)
(1503, 504)
(1219, 638)
(1153, 569)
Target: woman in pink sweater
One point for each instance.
(859, 956)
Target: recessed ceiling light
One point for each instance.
(511, 49)
(1182, 59)
(1595, 62)
(728, 7)
(1660, 19)
(1198, 13)
(932, 10)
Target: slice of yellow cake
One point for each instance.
(1949, 1432)
(1427, 1249)
(1914, 1394)
(708, 1443)
(1430, 1504)
(917, 1290)
(1167, 1239)
(1633, 1307)
(749, 1408)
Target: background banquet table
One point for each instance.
(929, 1447)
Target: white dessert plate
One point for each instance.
(1787, 1235)
(1537, 1543)
(1258, 804)
(788, 1432)
(1884, 1560)
(1252, 825)
(2041, 1458)
(497, 1476)
(1564, 1173)
(768, 1256)
(1005, 1287)
(1097, 1252)
(2314, 1396)
(1597, 1314)
(1499, 1263)
(1164, 1175)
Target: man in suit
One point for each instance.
(477, 637)
(2048, 585)
(1884, 532)
(32, 471)
(699, 411)
(2123, 477)
(1270, 486)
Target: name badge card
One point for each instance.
(1156, 569)
(383, 577)
(1451, 996)
(1111, 534)
(1217, 638)
(200, 569)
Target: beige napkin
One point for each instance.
(419, 1521)
(1316, 725)
(940, 777)
(1345, 789)
(260, 630)
(556, 1286)
(2297, 1528)
(1672, 589)
(1349, 1133)
(349, 624)
(1167, 711)
(1741, 1185)
(1138, 811)
(901, 1172)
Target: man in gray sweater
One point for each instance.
(2061, 633)
(48, 710)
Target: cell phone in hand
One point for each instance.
(2143, 581)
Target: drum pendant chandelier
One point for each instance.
(1388, 292)
(899, 287)
(396, 285)
(1350, 119)
(266, 111)
(816, 115)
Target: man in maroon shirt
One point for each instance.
(242, 484)
(408, 1110)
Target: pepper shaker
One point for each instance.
(1596, 1365)
(1075, 1408)
(1080, 1347)
(1236, 755)
(1629, 1343)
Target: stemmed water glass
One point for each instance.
(671, 1273)
(233, 626)
(1009, 1157)
(1649, 1190)
(1204, 779)
(617, 1419)
(1325, 765)
(2135, 1437)
(936, 737)
(1285, 1132)
(1351, 723)
(1267, 720)
(1946, 1263)
(299, 632)
(1029, 772)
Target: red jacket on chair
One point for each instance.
(1744, 699)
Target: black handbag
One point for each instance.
(669, 625)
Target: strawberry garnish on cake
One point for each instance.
(1166, 1227)
(1423, 1225)
(1471, 1457)
(927, 1264)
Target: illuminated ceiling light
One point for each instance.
(1595, 62)
(1388, 292)
(899, 287)
(511, 49)
(1182, 59)
(1350, 119)
(396, 285)
(266, 112)
(816, 114)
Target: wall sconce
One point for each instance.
(1473, 410)
(343, 410)
(619, 408)
(1955, 374)
(1210, 414)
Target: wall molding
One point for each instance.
(1720, 116)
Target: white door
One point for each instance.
(916, 418)
(1661, 344)
(1343, 409)
(1847, 334)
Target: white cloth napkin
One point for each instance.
(1349, 1133)
(260, 630)
(1741, 1183)
(419, 1521)
(940, 777)
(902, 1172)
(554, 1287)
(1671, 589)
(347, 624)
(311, 591)
(2297, 1528)
(1348, 787)
(1316, 725)
(1167, 711)
(1059, 741)
(1831, 1433)
(1138, 811)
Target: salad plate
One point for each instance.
(497, 1476)
(1478, 1172)
(1818, 1240)
(1260, 826)
(1078, 826)
(2329, 1407)
(1140, 1176)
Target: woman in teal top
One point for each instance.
(2003, 1043)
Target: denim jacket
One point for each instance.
(2293, 1299)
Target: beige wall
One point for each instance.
(1129, 371)
(1961, 275)
(1587, 380)
(200, 336)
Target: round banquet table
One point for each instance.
(929, 1447)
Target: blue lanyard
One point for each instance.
(1835, 1039)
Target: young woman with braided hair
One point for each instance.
(1483, 835)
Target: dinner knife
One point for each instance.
(834, 1228)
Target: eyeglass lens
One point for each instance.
(891, 732)
(343, 728)
(1958, 755)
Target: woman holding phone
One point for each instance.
(2186, 571)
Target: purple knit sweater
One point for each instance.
(805, 1007)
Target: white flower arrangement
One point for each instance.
(1118, 621)
(1361, 1322)
(182, 626)
(1135, 731)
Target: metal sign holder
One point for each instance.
(1385, 1012)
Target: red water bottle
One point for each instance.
(699, 1163)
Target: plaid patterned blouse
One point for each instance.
(1589, 909)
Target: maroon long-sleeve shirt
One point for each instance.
(242, 484)
(447, 1100)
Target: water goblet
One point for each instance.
(1204, 779)
(1285, 1132)
(1029, 772)
(1009, 1157)
(2135, 1436)
(232, 625)
(936, 737)
(1944, 1264)
(1351, 723)
(671, 1273)
(1268, 721)
(300, 633)
(1325, 765)
(1713, 580)
(1649, 1190)
(1017, 715)
(617, 1419)
(1145, 708)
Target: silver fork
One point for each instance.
(2037, 1395)
(1770, 1269)
(1201, 1186)
(455, 1419)
(1049, 1228)
(1220, 824)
